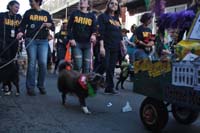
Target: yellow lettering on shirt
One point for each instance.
(146, 34)
(38, 18)
(64, 33)
(111, 22)
(11, 22)
(76, 19)
(114, 22)
(83, 20)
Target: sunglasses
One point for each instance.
(113, 3)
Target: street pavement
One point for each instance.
(45, 113)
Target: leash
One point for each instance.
(4, 50)
(9, 62)
(15, 58)
(34, 37)
(91, 57)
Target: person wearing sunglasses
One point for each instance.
(110, 41)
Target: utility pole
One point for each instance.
(66, 12)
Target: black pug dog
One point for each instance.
(126, 70)
(70, 81)
(8, 75)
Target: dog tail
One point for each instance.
(63, 65)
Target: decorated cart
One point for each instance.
(168, 83)
(170, 86)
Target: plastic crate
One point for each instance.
(183, 74)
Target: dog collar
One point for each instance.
(82, 82)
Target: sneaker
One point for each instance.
(42, 91)
(31, 92)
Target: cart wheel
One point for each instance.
(154, 114)
(184, 115)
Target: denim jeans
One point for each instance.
(81, 55)
(138, 54)
(37, 51)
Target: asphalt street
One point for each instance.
(45, 113)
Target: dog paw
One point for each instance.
(86, 111)
(7, 93)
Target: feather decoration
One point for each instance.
(177, 20)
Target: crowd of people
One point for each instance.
(89, 35)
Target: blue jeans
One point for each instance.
(81, 54)
(37, 51)
(138, 54)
